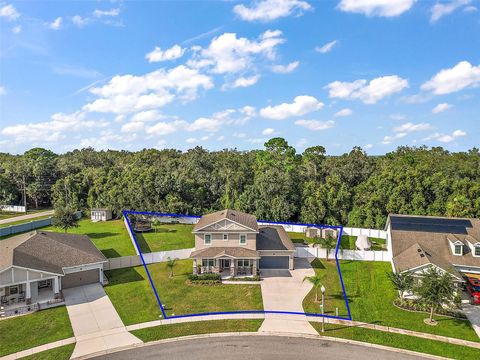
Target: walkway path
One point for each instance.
(26, 217)
(473, 315)
(284, 290)
(95, 322)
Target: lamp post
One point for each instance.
(322, 289)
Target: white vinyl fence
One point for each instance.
(13, 208)
(307, 251)
(31, 225)
(150, 258)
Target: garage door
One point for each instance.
(274, 262)
(80, 278)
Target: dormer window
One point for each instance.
(458, 249)
(225, 236)
(476, 250)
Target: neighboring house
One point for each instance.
(36, 266)
(447, 244)
(101, 214)
(230, 242)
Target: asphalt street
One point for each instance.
(256, 347)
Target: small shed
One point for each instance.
(333, 233)
(312, 232)
(101, 214)
(363, 243)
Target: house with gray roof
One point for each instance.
(232, 243)
(448, 244)
(36, 266)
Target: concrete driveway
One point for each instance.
(95, 322)
(284, 290)
(473, 315)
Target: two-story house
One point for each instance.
(232, 243)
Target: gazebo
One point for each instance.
(363, 243)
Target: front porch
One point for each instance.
(226, 267)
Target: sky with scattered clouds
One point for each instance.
(131, 75)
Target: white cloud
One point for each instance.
(101, 13)
(301, 105)
(446, 138)
(243, 82)
(268, 131)
(397, 116)
(191, 140)
(441, 108)
(229, 54)
(206, 124)
(54, 129)
(368, 146)
(389, 139)
(147, 116)
(55, 24)
(315, 125)
(130, 93)
(446, 81)
(3, 91)
(165, 128)
(133, 127)
(326, 48)
(17, 29)
(368, 92)
(9, 12)
(157, 55)
(410, 127)
(285, 69)
(249, 111)
(79, 21)
(386, 8)
(343, 112)
(302, 142)
(268, 10)
(441, 9)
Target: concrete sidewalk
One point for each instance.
(26, 217)
(95, 322)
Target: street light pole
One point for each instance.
(322, 289)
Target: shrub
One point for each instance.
(250, 278)
(203, 277)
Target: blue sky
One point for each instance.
(131, 75)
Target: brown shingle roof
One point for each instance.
(247, 220)
(49, 251)
(273, 237)
(434, 241)
(236, 252)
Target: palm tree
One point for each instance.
(402, 282)
(171, 264)
(328, 244)
(316, 281)
(435, 289)
(155, 223)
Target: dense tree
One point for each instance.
(275, 183)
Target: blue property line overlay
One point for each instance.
(165, 316)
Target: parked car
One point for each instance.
(474, 293)
(475, 283)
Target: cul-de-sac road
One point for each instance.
(257, 347)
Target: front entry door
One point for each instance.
(225, 263)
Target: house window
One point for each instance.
(458, 249)
(243, 263)
(243, 239)
(477, 250)
(208, 262)
(225, 236)
(14, 290)
(44, 283)
(207, 239)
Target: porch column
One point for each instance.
(100, 275)
(232, 267)
(194, 266)
(28, 292)
(55, 285)
(254, 268)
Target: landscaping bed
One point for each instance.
(27, 331)
(400, 341)
(371, 297)
(166, 237)
(131, 293)
(197, 328)
(110, 237)
(411, 305)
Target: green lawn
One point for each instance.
(197, 328)
(371, 294)
(133, 297)
(9, 214)
(399, 341)
(110, 237)
(167, 237)
(24, 221)
(27, 331)
(60, 353)
(299, 238)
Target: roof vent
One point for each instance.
(419, 250)
(422, 255)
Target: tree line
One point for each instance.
(275, 183)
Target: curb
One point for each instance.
(234, 334)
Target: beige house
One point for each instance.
(36, 266)
(231, 243)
